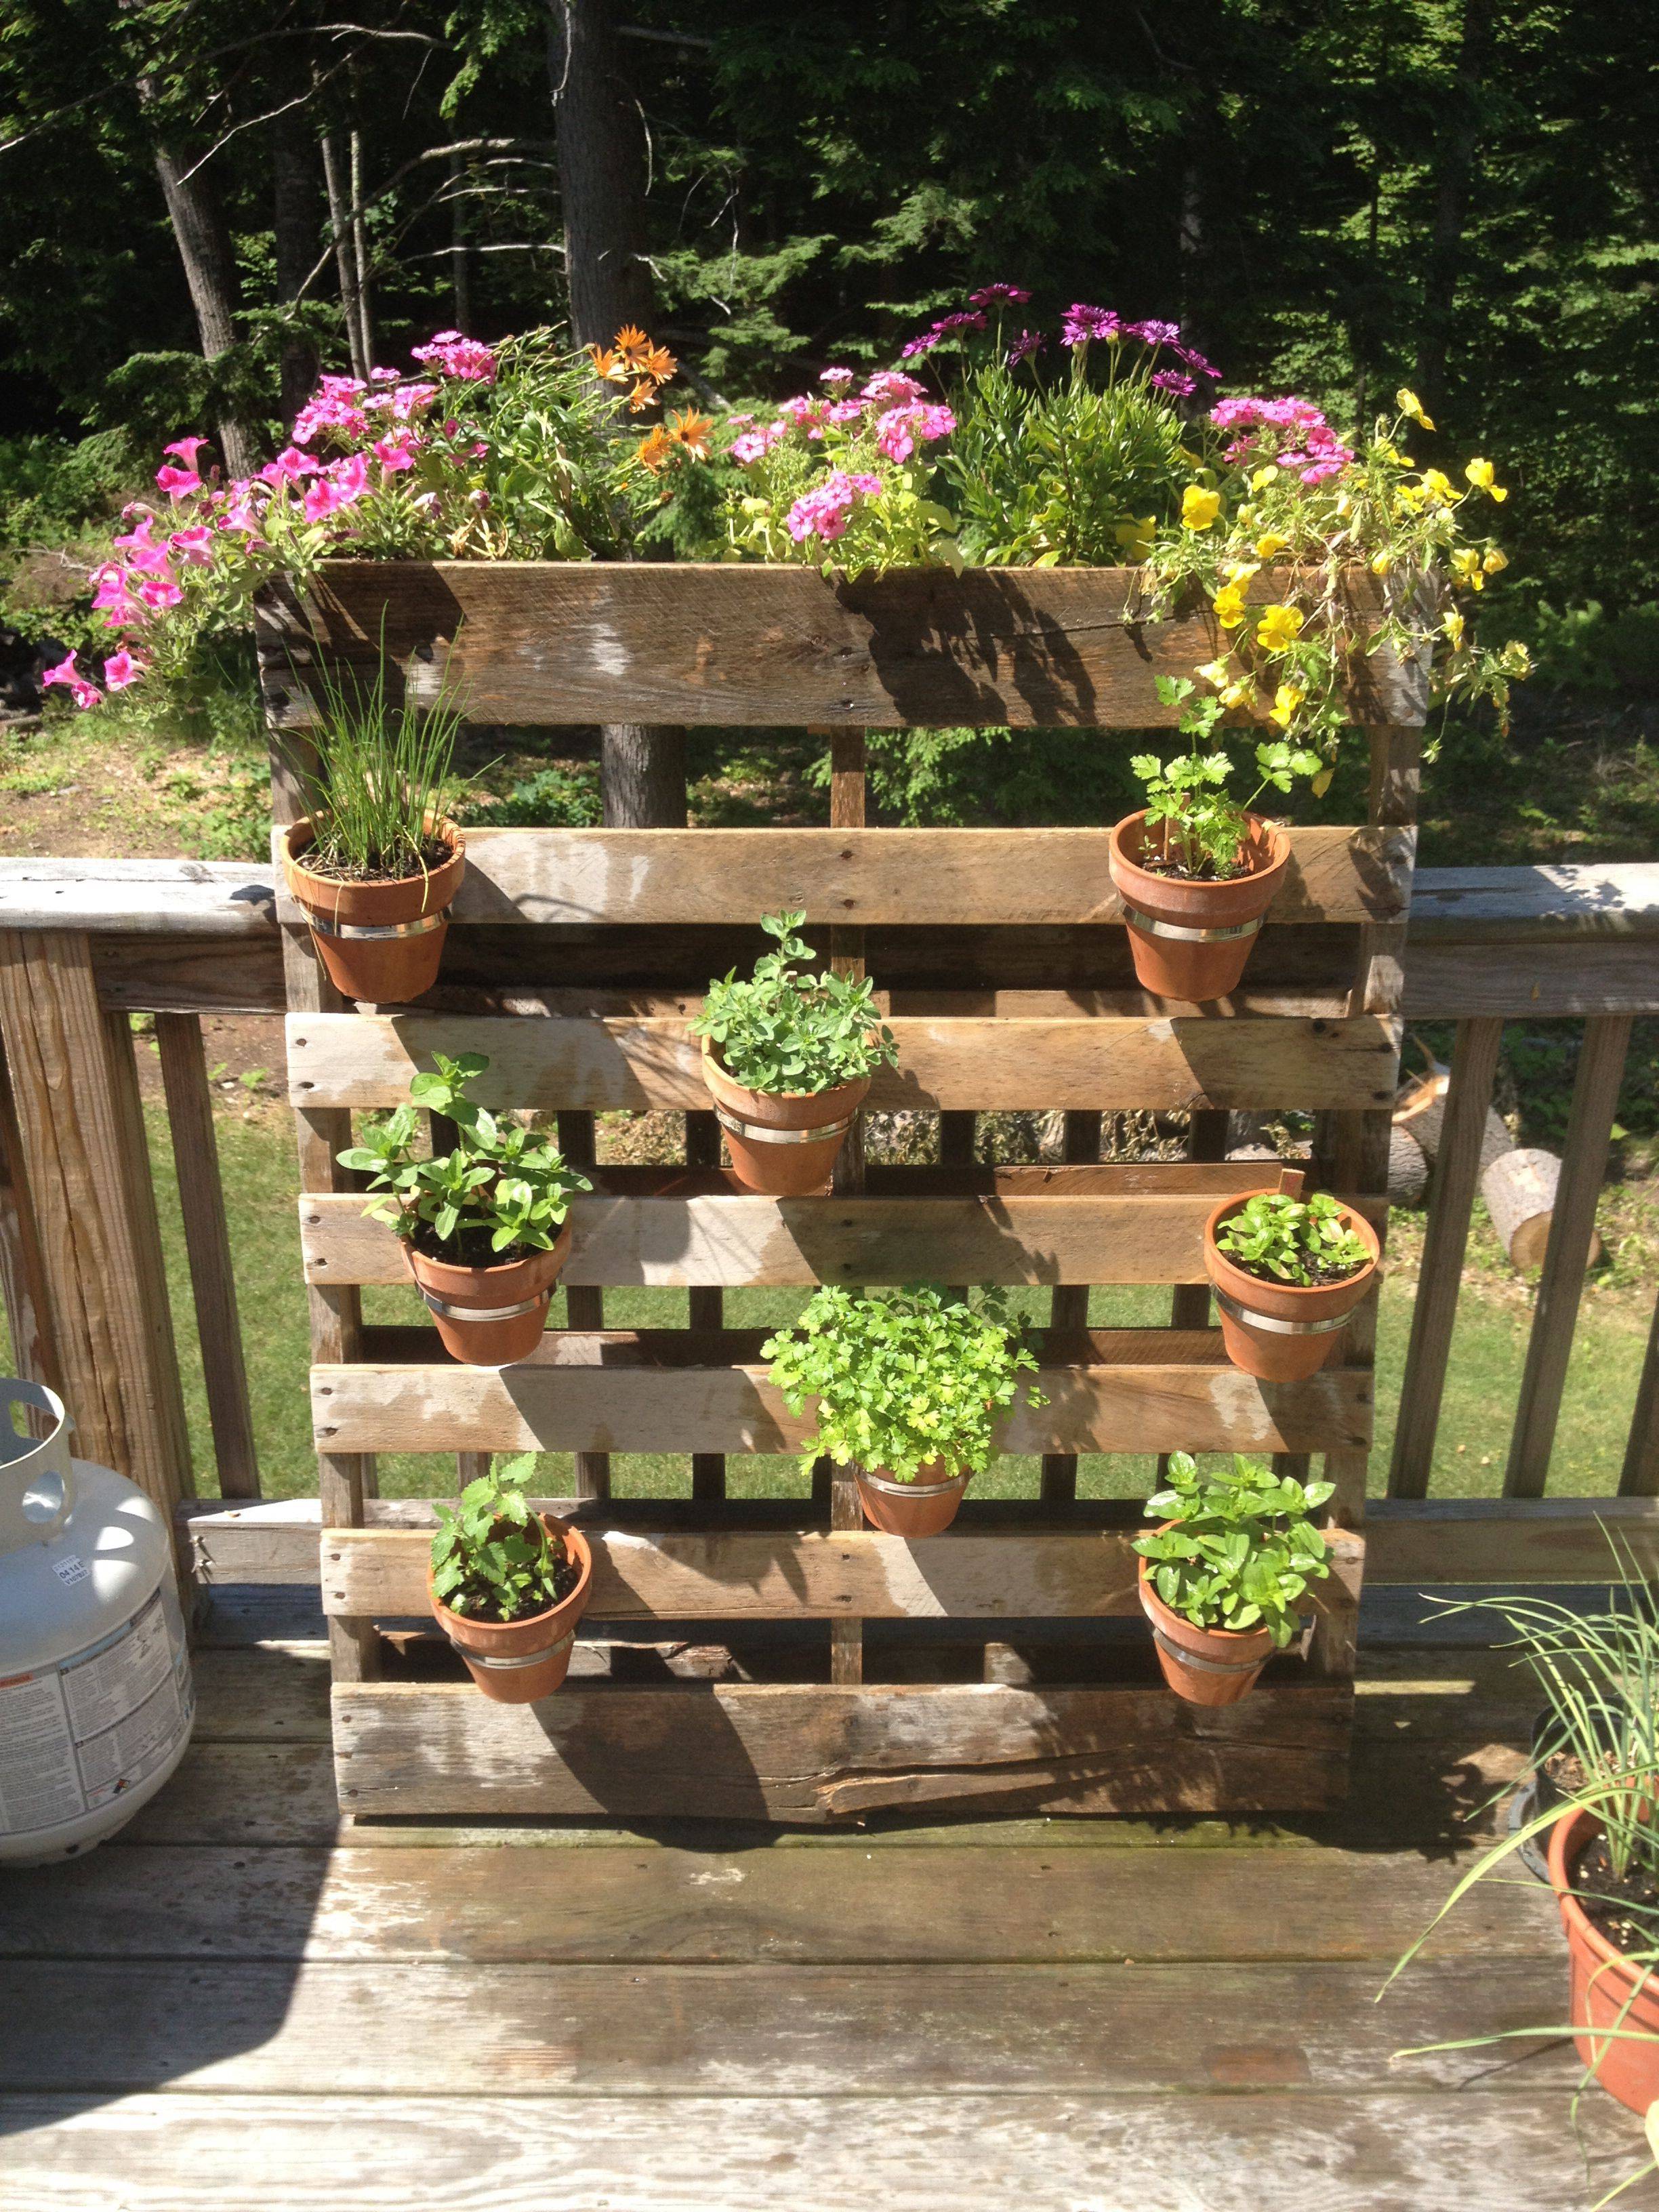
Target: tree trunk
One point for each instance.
(295, 221)
(360, 252)
(460, 260)
(1452, 206)
(346, 260)
(198, 227)
(643, 775)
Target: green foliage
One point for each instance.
(902, 1379)
(493, 1559)
(1585, 648)
(553, 798)
(52, 489)
(1302, 1241)
(785, 1031)
(1205, 828)
(1243, 1550)
(502, 1191)
(389, 774)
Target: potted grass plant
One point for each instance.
(1287, 1272)
(508, 1586)
(787, 1056)
(1222, 1575)
(483, 1225)
(906, 1386)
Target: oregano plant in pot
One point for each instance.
(907, 1386)
(787, 1056)
(1287, 1272)
(483, 1224)
(1223, 1576)
(507, 1585)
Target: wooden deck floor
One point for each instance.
(240, 2006)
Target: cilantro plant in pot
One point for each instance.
(1197, 871)
(907, 1387)
(1222, 1575)
(508, 1586)
(788, 1057)
(377, 863)
(1287, 1273)
(483, 1225)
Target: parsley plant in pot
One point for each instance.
(907, 1386)
(1222, 1575)
(1287, 1273)
(508, 1586)
(788, 1057)
(483, 1226)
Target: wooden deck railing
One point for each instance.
(84, 943)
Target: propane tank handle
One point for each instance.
(37, 1482)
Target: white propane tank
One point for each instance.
(97, 1701)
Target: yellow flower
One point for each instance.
(1135, 536)
(1199, 508)
(1286, 700)
(1465, 567)
(1496, 559)
(1483, 477)
(1238, 695)
(1381, 564)
(1453, 627)
(1278, 628)
(1410, 496)
(1240, 572)
(1263, 477)
(1219, 671)
(1269, 544)
(1408, 404)
(1438, 486)
(1516, 660)
(1229, 604)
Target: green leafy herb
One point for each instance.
(1242, 1549)
(493, 1559)
(784, 1030)
(502, 1192)
(1294, 1240)
(1203, 827)
(902, 1379)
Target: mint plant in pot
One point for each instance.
(788, 1057)
(377, 861)
(1223, 1576)
(508, 1586)
(483, 1225)
(908, 1386)
(1287, 1273)
(1196, 870)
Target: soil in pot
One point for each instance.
(1599, 1927)
(921, 1507)
(515, 1663)
(380, 939)
(1282, 1332)
(489, 1316)
(1191, 936)
(1204, 1666)
(783, 1144)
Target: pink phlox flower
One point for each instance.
(463, 358)
(845, 410)
(837, 376)
(385, 375)
(412, 399)
(395, 452)
(825, 510)
(66, 673)
(998, 295)
(802, 412)
(751, 445)
(175, 482)
(1081, 324)
(332, 406)
(891, 387)
(123, 668)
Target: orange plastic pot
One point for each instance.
(1204, 1666)
(490, 1317)
(515, 1663)
(1191, 939)
(921, 1507)
(783, 1143)
(1282, 1332)
(1606, 1990)
(382, 942)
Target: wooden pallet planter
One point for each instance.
(575, 962)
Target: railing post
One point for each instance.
(80, 1133)
(1640, 1474)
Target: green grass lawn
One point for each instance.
(258, 1160)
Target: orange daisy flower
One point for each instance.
(691, 430)
(633, 345)
(644, 394)
(655, 450)
(609, 365)
(660, 363)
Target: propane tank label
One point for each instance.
(75, 1736)
(70, 1571)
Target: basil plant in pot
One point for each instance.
(1222, 1575)
(1287, 1272)
(483, 1225)
(507, 1585)
(788, 1057)
(908, 1386)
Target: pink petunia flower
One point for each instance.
(175, 482)
(396, 453)
(83, 693)
(123, 668)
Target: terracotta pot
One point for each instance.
(1602, 1980)
(773, 1149)
(1282, 1332)
(1205, 1666)
(921, 1507)
(383, 942)
(470, 1294)
(1191, 940)
(515, 1663)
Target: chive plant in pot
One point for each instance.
(508, 1586)
(1222, 1575)
(1287, 1273)
(788, 1057)
(483, 1225)
(1197, 871)
(907, 1387)
(377, 861)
